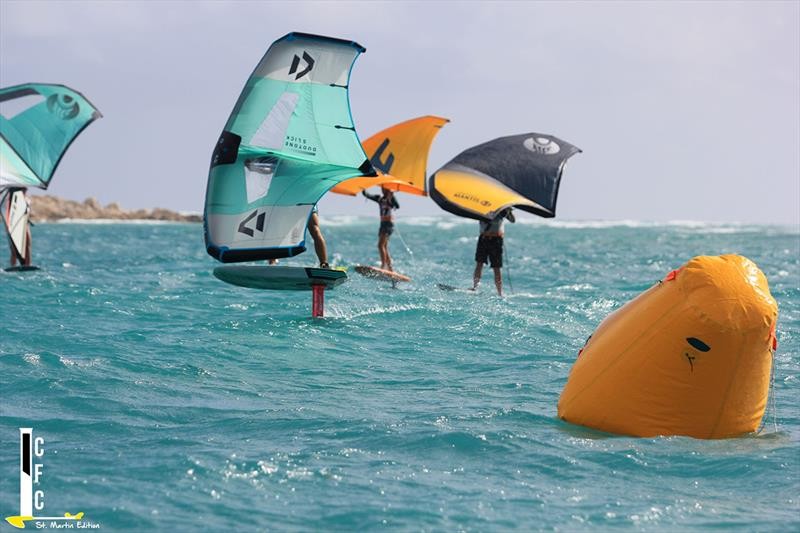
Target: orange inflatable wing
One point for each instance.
(400, 155)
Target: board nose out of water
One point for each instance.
(380, 273)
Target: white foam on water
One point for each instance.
(377, 310)
(344, 220)
(32, 358)
(107, 221)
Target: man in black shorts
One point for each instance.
(386, 204)
(490, 249)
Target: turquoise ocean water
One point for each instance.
(171, 401)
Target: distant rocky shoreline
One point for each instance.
(51, 208)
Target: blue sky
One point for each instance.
(684, 110)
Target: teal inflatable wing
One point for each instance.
(38, 122)
(289, 139)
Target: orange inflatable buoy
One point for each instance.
(690, 356)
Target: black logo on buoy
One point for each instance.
(296, 63)
(697, 344)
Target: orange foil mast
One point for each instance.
(690, 356)
(400, 155)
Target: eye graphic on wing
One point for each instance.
(697, 344)
(63, 106)
(541, 145)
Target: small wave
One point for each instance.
(446, 225)
(377, 310)
(109, 221)
(32, 358)
(710, 227)
(583, 224)
(421, 221)
(455, 441)
(74, 362)
(528, 295)
(345, 220)
(576, 287)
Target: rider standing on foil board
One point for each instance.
(387, 203)
(490, 248)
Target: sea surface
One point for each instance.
(170, 401)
